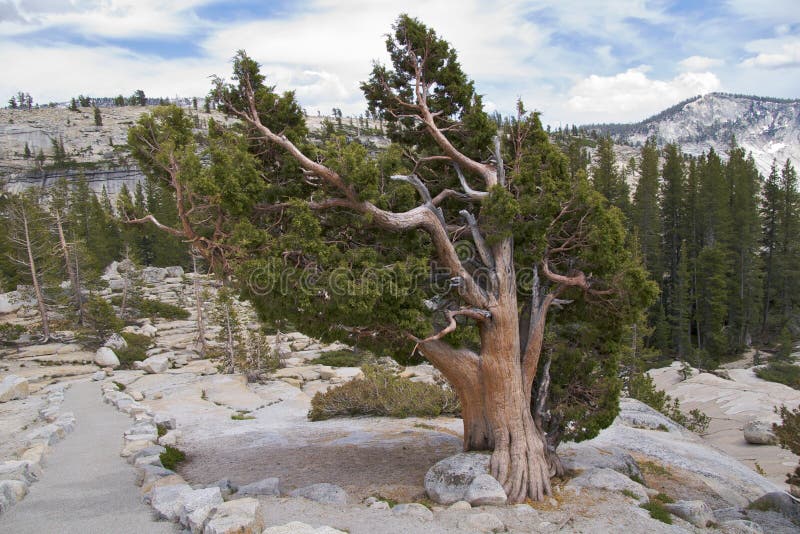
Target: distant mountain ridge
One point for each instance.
(769, 128)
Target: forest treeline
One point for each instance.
(720, 240)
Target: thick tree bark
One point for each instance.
(198, 303)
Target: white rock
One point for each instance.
(149, 330)
(485, 489)
(14, 490)
(164, 420)
(380, 505)
(99, 375)
(296, 527)
(23, 470)
(10, 302)
(116, 284)
(740, 526)
(115, 342)
(460, 506)
(322, 493)
(483, 522)
(759, 432)
(166, 500)
(268, 486)
(413, 509)
(12, 388)
(697, 513)
(196, 499)
(136, 395)
(241, 516)
(155, 364)
(171, 438)
(175, 271)
(448, 480)
(607, 479)
(153, 275)
(105, 357)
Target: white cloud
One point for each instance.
(778, 56)
(632, 95)
(699, 63)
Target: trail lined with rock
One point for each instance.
(85, 487)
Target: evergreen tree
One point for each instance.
(607, 179)
(26, 152)
(98, 119)
(769, 211)
(645, 210)
(673, 289)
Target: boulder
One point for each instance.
(196, 499)
(12, 388)
(166, 500)
(147, 474)
(155, 364)
(608, 479)
(241, 516)
(740, 526)
(759, 432)
(153, 275)
(176, 271)
(105, 357)
(10, 302)
(296, 527)
(149, 330)
(322, 493)
(116, 284)
(448, 480)
(99, 375)
(782, 502)
(13, 490)
(460, 506)
(413, 509)
(171, 438)
(483, 522)
(268, 486)
(697, 513)
(22, 470)
(485, 489)
(115, 342)
(585, 455)
(164, 420)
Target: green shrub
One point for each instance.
(658, 512)
(788, 434)
(242, 416)
(782, 373)
(340, 358)
(172, 457)
(10, 332)
(382, 393)
(156, 308)
(100, 321)
(135, 351)
(641, 387)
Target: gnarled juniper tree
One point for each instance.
(455, 242)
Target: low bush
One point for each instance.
(10, 332)
(135, 351)
(172, 457)
(641, 387)
(156, 308)
(788, 434)
(658, 511)
(382, 393)
(782, 373)
(340, 358)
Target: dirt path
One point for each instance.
(86, 487)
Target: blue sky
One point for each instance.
(576, 61)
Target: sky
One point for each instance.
(576, 61)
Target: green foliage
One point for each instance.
(788, 434)
(658, 511)
(155, 308)
(340, 358)
(382, 393)
(119, 385)
(781, 372)
(242, 416)
(171, 458)
(100, 320)
(98, 118)
(10, 332)
(135, 351)
(642, 388)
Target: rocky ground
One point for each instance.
(255, 461)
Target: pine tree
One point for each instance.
(673, 289)
(607, 179)
(26, 152)
(769, 211)
(645, 210)
(98, 119)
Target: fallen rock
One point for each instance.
(759, 432)
(483, 522)
(296, 527)
(13, 388)
(176, 271)
(35, 453)
(150, 473)
(740, 526)
(268, 486)
(449, 479)
(485, 489)
(171, 438)
(780, 502)
(136, 395)
(22, 470)
(196, 499)
(413, 510)
(154, 364)
(153, 275)
(460, 506)
(99, 375)
(697, 513)
(380, 505)
(10, 302)
(166, 500)
(105, 357)
(241, 516)
(149, 330)
(164, 420)
(322, 493)
(13, 490)
(608, 479)
(115, 342)
(584, 455)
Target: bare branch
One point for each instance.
(471, 193)
(473, 313)
(498, 162)
(477, 237)
(150, 219)
(414, 180)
